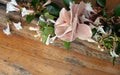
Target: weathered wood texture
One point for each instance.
(38, 59)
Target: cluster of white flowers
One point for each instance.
(13, 6)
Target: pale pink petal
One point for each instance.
(84, 32)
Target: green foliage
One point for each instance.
(53, 9)
(47, 15)
(67, 45)
(117, 11)
(108, 43)
(34, 2)
(48, 30)
(94, 31)
(118, 49)
(102, 3)
(29, 18)
(67, 3)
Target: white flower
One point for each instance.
(101, 49)
(11, 6)
(26, 12)
(7, 30)
(41, 18)
(89, 9)
(97, 21)
(100, 28)
(14, 2)
(17, 25)
(53, 39)
(33, 29)
(96, 37)
(50, 20)
(48, 2)
(50, 40)
(113, 54)
(91, 40)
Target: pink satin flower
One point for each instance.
(68, 26)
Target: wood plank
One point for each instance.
(38, 58)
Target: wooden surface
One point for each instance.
(36, 58)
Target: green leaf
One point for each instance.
(53, 9)
(48, 30)
(67, 45)
(117, 51)
(43, 24)
(34, 2)
(102, 3)
(44, 38)
(47, 15)
(29, 18)
(117, 11)
(94, 31)
(67, 3)
(108, 43)
(113, 61)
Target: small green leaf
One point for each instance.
(94, 31)
(67, 45)
(43, 24)
(117, 51)
(117, 11)
(48, 30)
(44, 38)
(29, 18)
(47, 15)
(113, 60)
(34, 2)
(67, 3)
(53, 9)
(102, 3)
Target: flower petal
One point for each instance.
(17, 25)
(84, 32)
(7, 30)
(26, 12)
(11, 7)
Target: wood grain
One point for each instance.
(39, 59)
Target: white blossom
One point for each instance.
(14, 2)
(97, 21)
(96, 37)
(17, 25)
(48, 40)
(48, 2)
(41, 18)
(91, 40)
(88, 10)
(11, 6)
(100, 28)
(7, 30)
(113, 54)
(26, 12)
(33, 29)
(101, 49)
(53, 39)
(51, 20)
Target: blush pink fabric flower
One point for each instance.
(68, 26)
